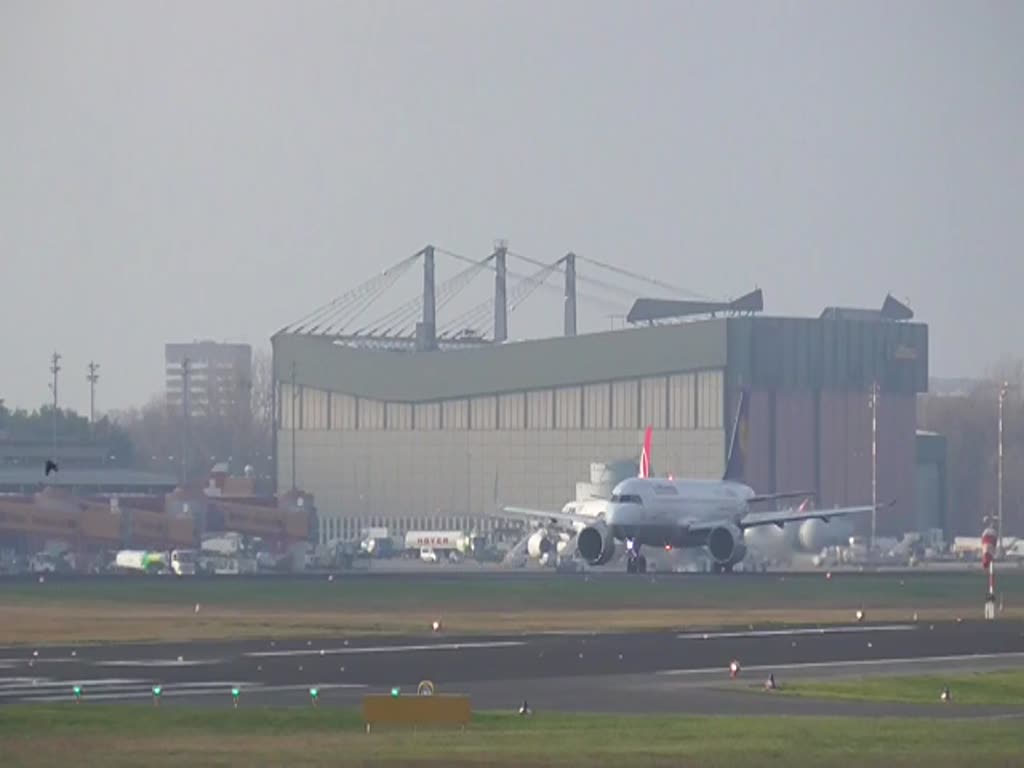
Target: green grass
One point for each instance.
(916, 590)
(85, 735)
(1005, 687)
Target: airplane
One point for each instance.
(687, 513)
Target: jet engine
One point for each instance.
(815, 535)
(596, 544)
(725, 543)
(539, 544)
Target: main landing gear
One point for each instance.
(719, 568)
(635, 562)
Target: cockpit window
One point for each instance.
(626, 498)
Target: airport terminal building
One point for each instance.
(433, 437)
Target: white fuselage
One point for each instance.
(659, 512)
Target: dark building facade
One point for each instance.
(810, 384)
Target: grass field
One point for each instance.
(86, 735)
(1003, 687)
(164, 608)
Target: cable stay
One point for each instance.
(394, 322)
(337, 321)
(676, 290)
(344, 300)
(483, 312)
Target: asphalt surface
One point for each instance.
(640, 672)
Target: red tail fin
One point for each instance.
(645, 456)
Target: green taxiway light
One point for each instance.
(156, 690)
(235, 692)
(313, 692)
(394, 692)
(77, 690)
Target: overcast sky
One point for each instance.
(181, 170)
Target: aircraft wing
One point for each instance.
(780, 496)
(781, 518)
(549, 516)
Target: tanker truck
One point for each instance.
(180, 562)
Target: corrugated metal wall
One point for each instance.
(795, 441)
(846, 355)
(810, 416)
(463, 456)
(758, 468)
(806, 441)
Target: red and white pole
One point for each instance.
(989, 541)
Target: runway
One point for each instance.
(663, 671)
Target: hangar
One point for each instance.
(437, 430)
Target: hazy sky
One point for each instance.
(178, 170)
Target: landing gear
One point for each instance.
(635, 562)
(719, 568)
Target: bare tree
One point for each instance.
(263, 405)
(236, 427)
(969, 424)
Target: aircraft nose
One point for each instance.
(620, 514)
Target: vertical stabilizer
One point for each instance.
(735, 462)
(645, 455)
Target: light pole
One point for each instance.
(1003, 389)
(294, 399)
(469, 485)
(874, 463)
(54, 369)
(186, 407)
(92, 378)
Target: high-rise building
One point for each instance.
(219, 376)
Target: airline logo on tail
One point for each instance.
(645, 455)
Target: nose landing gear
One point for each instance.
(635, 562)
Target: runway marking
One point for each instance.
(157, 662)
(853, 663)
(386, 649)
(796, 631)
(169, 692)
(7, 684)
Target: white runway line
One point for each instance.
(793, 632)
(386, 649)
(157, 662)
(9, 684)
(176, 691)
(854, 663)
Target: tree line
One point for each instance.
(152, 436)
